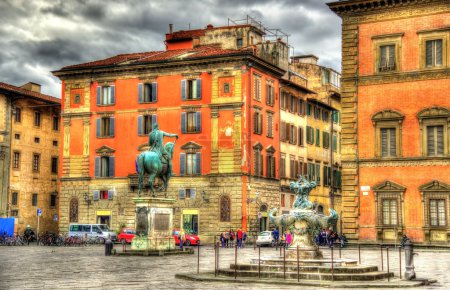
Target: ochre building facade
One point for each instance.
(396, 119)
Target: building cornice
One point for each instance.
(342, 8)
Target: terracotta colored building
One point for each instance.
(221, 98)
(396, 119)
(33, 132)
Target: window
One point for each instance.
(389, 212)
(104, 166)
(14, 198)
(283, 100)
(15, 212)
(435, 140)
(301, 138)
(388, 133)
(257, 123)
(54, 165)
(53, 200)
(34, 199)
(433, 54)
(269, 125)
(17, 136)
(292, 104)
(186, 193)
(18, 115)
(301, 108)
(282, 200)
(388, 142)
(147, 92)
(335, 145)
(326, 140)
(106, 95)
(37, 140)
(437, 212)
(103, 195)
(309, 135)
(309, 109)
(225, 208)
(190, 163)
(73, 210)
(105, 127)
(292, 134)
(335, 115)
(270, 94)
(258, 162)
(239, 42)
(282, 167)
(326, 175)
(325, 116)
(257, 87)
(145, 124)
(317, 113)
(77, 99)
(36, 162)
(37, 119)
(55, 143)
(191, 122)
(55, 123)
(226, 88)
(16, 160)
(293, 166)
(311, 171)
(317, 137)
(317, 172)
(387, 58)
(270, 166)
(191, 89)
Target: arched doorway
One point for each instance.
(263, 215)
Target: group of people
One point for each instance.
(227, 239)
(284, 239)
(327, 237)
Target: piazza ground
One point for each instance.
(36, 267)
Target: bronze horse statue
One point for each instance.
(150, 163)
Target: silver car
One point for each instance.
(92, 230)
(265, 238)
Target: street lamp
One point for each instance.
(87, 198)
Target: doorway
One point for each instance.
(104, 219)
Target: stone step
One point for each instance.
(307, 268)
(303, 262)
(370, 276)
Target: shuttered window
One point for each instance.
(145, 124)
(301, 136)
(326, 140)
(387, 58)
(258, 163)
(191, 89)
(283, 101)
(433, 53)
(282, 131)
(388, 142)
(104, 166)
(191, 122)
(309, 135)
(257, 87)
(317, 137)
(270, 166)
(105, 127)
(292, 168)
(437, 212)
(269, 125)
(147, 92)
(106, 95)
(435, 140)
(270, 94)
(389, 210)
(190, 164)
(317, 171)
(282, 167)
(257, 123)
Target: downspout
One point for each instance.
(356, 103)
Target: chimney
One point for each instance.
(170, 28)
(209, 26)
(34, 87)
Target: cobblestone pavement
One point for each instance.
(36, 267)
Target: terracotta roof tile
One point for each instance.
(21, 91)
(184, 34)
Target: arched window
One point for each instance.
(320, 209)
(225, 209)
(73, 210)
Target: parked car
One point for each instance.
(189, 239)
(101, 231)
(126, 235)
(265, 238)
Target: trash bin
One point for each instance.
(108, 247)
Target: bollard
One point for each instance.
(198, 258)
(409, 260)
(284, 263)
(235, 262)
(382, 264)
(108, 247)
(298, 266)
(387, 261)
(215, 258)
(400, 261)
(259, 262)
(218, 256)
(332, 263)
(340, 255)
(359, 253)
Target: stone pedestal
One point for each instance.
(154, 224)
(304, 253)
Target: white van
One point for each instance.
(92, 230)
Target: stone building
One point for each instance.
(217, 88)
(33, 133)
(396, 119)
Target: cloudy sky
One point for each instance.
(38, 36)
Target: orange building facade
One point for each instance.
(220, 99)
(396, 120)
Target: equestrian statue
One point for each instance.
(157, 161)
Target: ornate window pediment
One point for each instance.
(389, 186)
(258, 146)
(143, 147)
(191, 147)
(270, 149)
(105, 151)
(388, 115)
(434, 131)
(433, 112)
(435, 186)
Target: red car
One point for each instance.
(126, 235)
(189, 239)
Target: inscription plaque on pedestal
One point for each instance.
(162, 221)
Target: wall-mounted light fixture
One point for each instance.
(87, 199)
(205, 199)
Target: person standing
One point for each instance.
(288, 238)
(276, 236)
(239, 238)
(181, 238)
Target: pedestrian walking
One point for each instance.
(276, 236)
(288, 238)
(232, 237)
(222, 240)
(181, 238)
(244, 238)
(239, 238)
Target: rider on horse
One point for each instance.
(155, 140)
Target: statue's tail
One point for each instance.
(332, 218)
(140, 171)
(271, 216)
